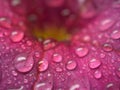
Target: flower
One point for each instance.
(59, 45)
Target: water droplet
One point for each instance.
(115, 34)
(21, 88)
(48, 44)
(71, 65)
(75, 87)
(106, 24)
(107, 47)
(118, 72)
(109, 85)
(82, 51)
(37, 54)
(24, 62)
(97, 74)
(58, 69)
(0, 75)
(65, 12)
(15, 2)
(5, 22)
(25, 81)
(43, 65)
(29, 43)
(17, 36)
(102, 55)
(9, 81)
(14, 73)
(57, 57)
(94, 63)
(54, 3)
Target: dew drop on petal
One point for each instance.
(43, 65)
(58, 69)
(82, 51)
(24, 63)
(118, 72)
(5, 22)
(107, 47)
(109, 85)
(115, 34)
(25, 80)
(17, 36)
(54, 3)
(106, 24)
(14, 73)
(48, 44)
(37, 54)
(97, 74)
(94, 63)
(29, 43)
(57, 57)
(71, 65)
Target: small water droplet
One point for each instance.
(57, 57)
(5, 22)
(54, 3)
(94, 63)
(58, 69)
(37, 54)
(71, 65)
(17, 36)
(14, 73)
(118, 72)
(115, 34)
(97, 74)
(102, 55)
(15, 2)
(107, 47)
(48, 44)
(82, 51)
(106, 24)
(25, 81)
(24, 62)
(9, 81)
(43, 65)
(29, 43)
(65, 12)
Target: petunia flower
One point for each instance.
(59, 45)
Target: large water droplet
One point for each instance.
(109, 85)
(107, 47)
(57, 57)
(71, 65)
(97, 74)
(43, 65)
(82, 51)
(94, 63)
(106, 24)
(24, 62)
(17, 36)
(115, 34)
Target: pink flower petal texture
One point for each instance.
(88, 60)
